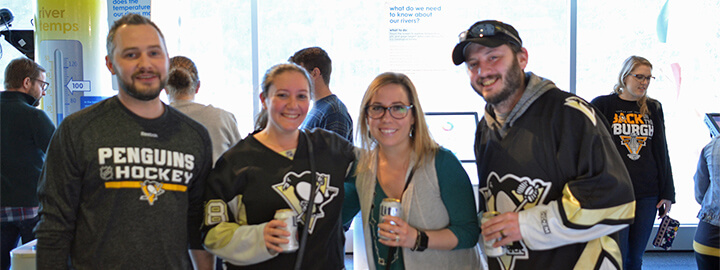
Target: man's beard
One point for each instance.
(512, 79)
(149, 94)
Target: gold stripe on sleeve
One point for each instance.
(589, 217)
(603, 250)
(706, 250)
(221, 235)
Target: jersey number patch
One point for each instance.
(215, 212)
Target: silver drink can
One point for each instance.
(389, 207)
(491, 251)
(288, 216)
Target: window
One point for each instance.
(219, 37)
(607, 35)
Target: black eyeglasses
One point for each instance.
(486, 30)
(396, 111)
(43, 84)
(642, 78)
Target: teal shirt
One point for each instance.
(380, 251)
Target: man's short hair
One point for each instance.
(314, 57)
(18, 70)
(128, 19)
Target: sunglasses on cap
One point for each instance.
(481, 30)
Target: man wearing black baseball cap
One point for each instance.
(545, 161)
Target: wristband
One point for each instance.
(421, 242)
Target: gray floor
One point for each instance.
(668, 260)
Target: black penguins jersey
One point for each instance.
(251, 181)
(557, 166)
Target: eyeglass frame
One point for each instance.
(637, 76)
(387, 109)
(44, 86)
(488, 29)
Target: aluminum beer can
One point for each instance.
(288, 216)
(389, 207)
(491, 251)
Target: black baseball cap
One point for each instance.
(488, 33)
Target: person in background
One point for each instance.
(122, 184)
(272, 169)
(637, 127)
(25, 133)
(545, 161)
(438, 228)
(183, 84)
(707, 194)
(328, 112)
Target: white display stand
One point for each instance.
(23, 257)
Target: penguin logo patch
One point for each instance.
(295, 190)
(151, 191)
(511, 193)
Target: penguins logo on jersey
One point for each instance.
(512, 193)
(295, 190)
(151, 190)
(581, 105)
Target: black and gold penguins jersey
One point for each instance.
(554, 163)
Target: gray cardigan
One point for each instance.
(427, 213)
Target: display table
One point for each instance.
(23, 257)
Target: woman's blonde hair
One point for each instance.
(631, 63)
(421, 141)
